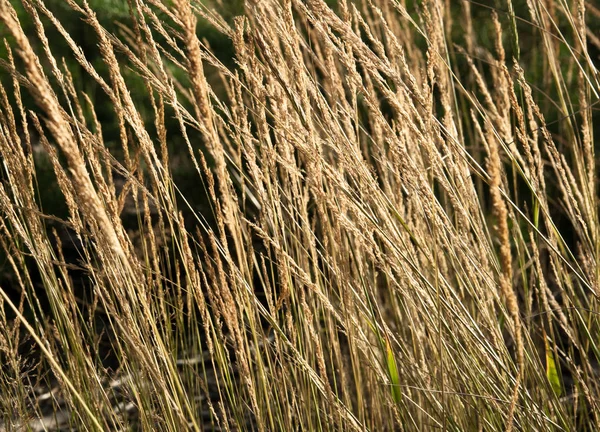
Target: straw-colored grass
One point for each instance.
(400, 228)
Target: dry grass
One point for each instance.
(395, 237)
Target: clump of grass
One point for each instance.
(394, 236)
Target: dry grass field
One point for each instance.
(378, 215)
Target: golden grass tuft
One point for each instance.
(397, 230)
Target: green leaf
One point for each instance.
(393, 372)
(551, 371)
